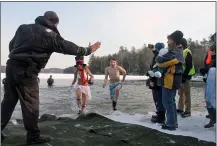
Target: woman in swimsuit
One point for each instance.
(82, 87)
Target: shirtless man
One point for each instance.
(113, 71)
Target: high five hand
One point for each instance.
(95, 46)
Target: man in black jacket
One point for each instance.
(30, 50)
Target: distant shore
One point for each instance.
(99, 77)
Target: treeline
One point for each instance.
(137, 61)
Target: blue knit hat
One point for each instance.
(159, 46)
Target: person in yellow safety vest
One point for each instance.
(184, 105)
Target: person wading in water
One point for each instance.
(82, 87)
(113, 71)
(50, 81)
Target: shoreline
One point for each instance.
(184, 130)
(94, 129)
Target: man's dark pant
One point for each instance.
(26, 89)
(157, 97)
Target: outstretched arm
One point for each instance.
(123, 71)
(60, 45)
(89, 73)
(106, 77)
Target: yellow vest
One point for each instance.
(192, 71)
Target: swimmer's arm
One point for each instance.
(123, 71)
(89, 73)
(106, 76)
(75, 77)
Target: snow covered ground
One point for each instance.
(192, 126)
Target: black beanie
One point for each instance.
(184, 43)
(176, 37)
(52, 16)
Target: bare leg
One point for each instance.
(78, 93)
(117, 93)
(84, 101)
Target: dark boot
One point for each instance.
(165, 127)
(208, 116)
(154, 116)
(185, 114)
(179, 111)
(160, 118)
(114, 105)
(38, 140)
(212, 113)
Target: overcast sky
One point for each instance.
(113, 23)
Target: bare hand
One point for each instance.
(95, 46)
(151, 84)
(70, 87)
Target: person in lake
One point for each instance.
(113, 71)
(50, 81)
(82, 88)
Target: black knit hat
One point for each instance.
(184, 43)
(79, 61)
(52, 16)
(176, 37)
